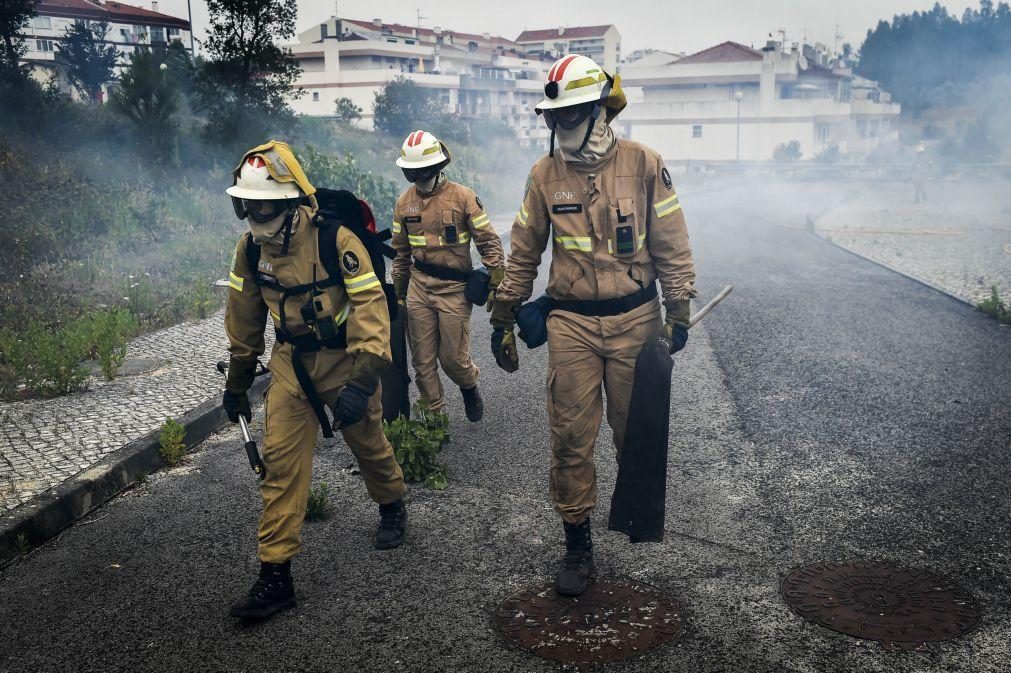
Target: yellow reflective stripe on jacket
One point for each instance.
(462, 238)
(522, 215)
(366, 281)
(235, 282)
(581, 243)
(667, 206)
(642, 239)
(396, 227)
(481, 221)
(342, 317)
(275, 316)
(416, 241)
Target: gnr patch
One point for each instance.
(665, 176)
(349, 261)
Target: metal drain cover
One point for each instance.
(613, 620)
(902, 607)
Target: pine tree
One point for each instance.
(88, 61)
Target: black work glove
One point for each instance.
(676, 335)
(503, 347)
(235, 404)
(352, 403)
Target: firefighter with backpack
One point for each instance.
(434, 222)
(313, 277)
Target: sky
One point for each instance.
(671, 25)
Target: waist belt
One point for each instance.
(441, 272)
(308, 343)
(606, 307)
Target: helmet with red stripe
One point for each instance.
(422, 149)
(574, 80)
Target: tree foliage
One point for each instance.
(87, 59)
(246, 84)
(402, 106)
(149, 96)
(346, 111)
(929, 59)
(14, 16)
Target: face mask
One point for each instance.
(427, 185)
(570, 140)
(269, 231)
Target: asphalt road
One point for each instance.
(829, 410)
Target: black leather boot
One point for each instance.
(473, 403)
(272, 592)
(573, 577)
(392, 525)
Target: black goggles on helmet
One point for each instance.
(261, 212)
(572, 116)
(422, 174)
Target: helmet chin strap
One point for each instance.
(286, 242)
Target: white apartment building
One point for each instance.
(130, 28)
(601, 43)
(732, 102)
(474, 76)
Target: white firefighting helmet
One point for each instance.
(422, 149)
(255, 183)
(572, 80)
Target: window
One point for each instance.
(823, 131)
(315, 96)
(696, 130)
(157, 34)
(43, 45)
(43, 22)
(173, 31)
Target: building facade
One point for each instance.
(129, 28)
(731, 102)
(473, 76)
(601, 43)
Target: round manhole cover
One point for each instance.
(901, 607)
(613, 620)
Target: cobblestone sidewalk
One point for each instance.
(959, 240)
(167, 374)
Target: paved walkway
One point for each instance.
(167, 373)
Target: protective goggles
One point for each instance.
(421, 174)
(571, 117)
(260, 211)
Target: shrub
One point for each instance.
(170, 440)
(46, 361)
(109, 332)
(786, 153)
(204, 300)
(417, 443)
(994, 307)
(318, 506)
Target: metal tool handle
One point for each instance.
(252, 453)
(710, 306)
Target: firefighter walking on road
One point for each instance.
(609, 211)
(434, 222)
(318, 286)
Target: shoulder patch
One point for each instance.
(478, 200)
(665, 176)
(349, 261)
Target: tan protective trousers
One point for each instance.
(289, 437)
(583, 353)
(439, 327)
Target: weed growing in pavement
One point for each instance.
(170, 441)
(109, 332)
(204, 300)
(318, 506)
(44, 360)
(994, 307)
(21, 544)
(417, 443)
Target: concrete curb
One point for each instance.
(49, 513)
(891, 268)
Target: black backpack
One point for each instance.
(337, 208)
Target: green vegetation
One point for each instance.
(21, 544)
(317, 507)
(346, 111)
(87, 60)
(170, 440)
(417, 443)
(148, 96)
(787, 153)
(994, 307)
(109, 332)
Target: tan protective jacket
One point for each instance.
(615, 227)
(359, 302)
(420, 225)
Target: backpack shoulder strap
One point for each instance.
(328, 254)
(252, 254)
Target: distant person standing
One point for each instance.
(921, 168)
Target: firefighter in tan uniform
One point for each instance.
(332, 343)
(434, 222)
(609, 212)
